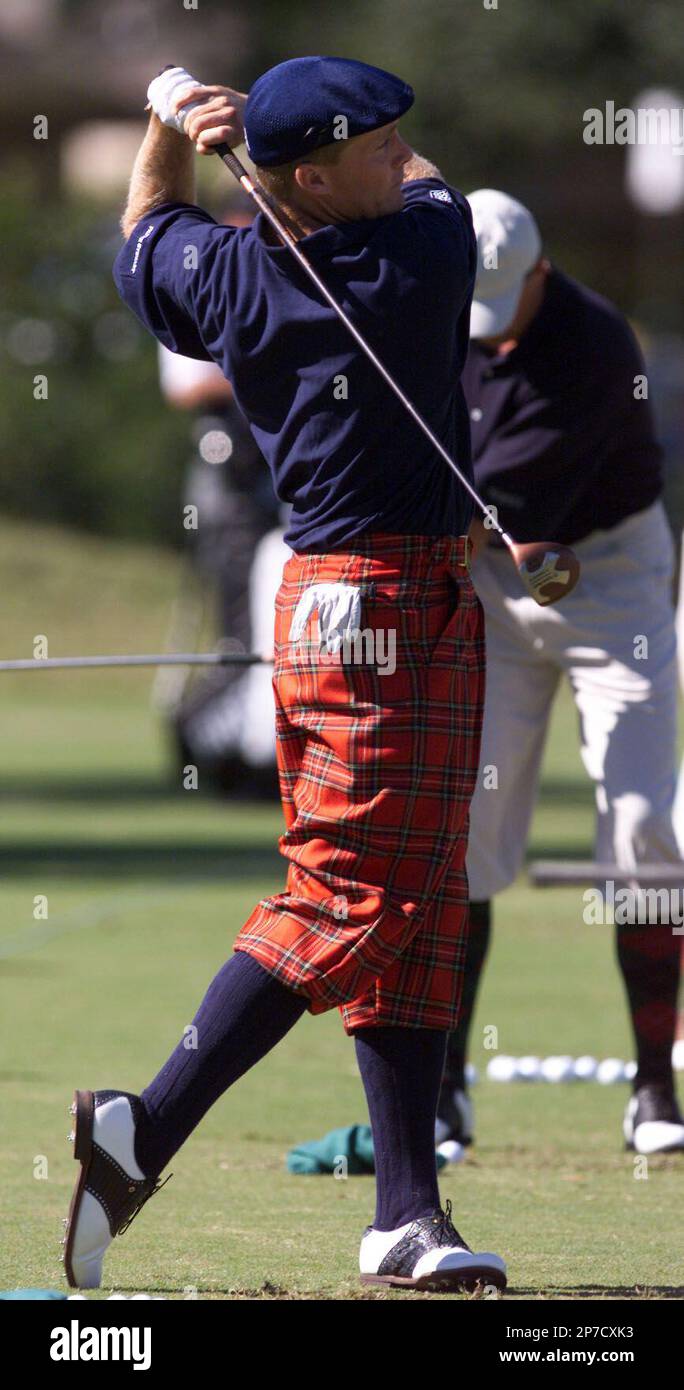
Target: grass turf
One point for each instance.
(147, 885)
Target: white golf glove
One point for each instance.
(339, 614)
(164, 92)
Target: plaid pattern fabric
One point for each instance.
(377, 768)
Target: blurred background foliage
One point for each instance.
(102, 451)
(501, 94)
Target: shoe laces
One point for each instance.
(152, 1192)
(446, 1233)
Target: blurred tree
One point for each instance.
(101, 451)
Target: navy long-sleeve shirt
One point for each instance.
(341, 448)
(563, 437)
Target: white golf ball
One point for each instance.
(472, 1075)
(678, 1055)
(557, 1069)
(630, 1071)
(501, 1069)
(452, 1151)
(585, 1068)
(609, 1071)
(528, 1069)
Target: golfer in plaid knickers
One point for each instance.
(379, 659)
(377, 769)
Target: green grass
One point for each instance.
(147, 886)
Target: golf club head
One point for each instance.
(549, 571)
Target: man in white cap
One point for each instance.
(563, 444)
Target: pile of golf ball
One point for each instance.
(557, 1069)
(561, 1069)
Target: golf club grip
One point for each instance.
(229, 159)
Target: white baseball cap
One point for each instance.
(508, 245)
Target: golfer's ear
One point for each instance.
(311, 178)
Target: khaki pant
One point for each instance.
(614, 640)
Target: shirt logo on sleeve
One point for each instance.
(441, 194)
(138, 248)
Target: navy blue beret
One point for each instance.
(292, 108)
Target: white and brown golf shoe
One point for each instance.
(111, 1187)
(428, 1254)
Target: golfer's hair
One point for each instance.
(279, 179)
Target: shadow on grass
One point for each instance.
(272, 1292)
(640, 1292)
(558, 849)
(575, 1292)
(117, 789)
(74, 789)
(556, 791)
(146, 859)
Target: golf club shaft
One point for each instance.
(78, 663)
(264, 204)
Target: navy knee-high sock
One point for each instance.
(244, 1013)
(401, 1069)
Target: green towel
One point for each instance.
(353, 1143)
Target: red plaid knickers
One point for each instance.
(377, 758)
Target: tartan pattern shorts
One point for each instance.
(377, 763)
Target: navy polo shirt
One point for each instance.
(561, 446)
(341, 448)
